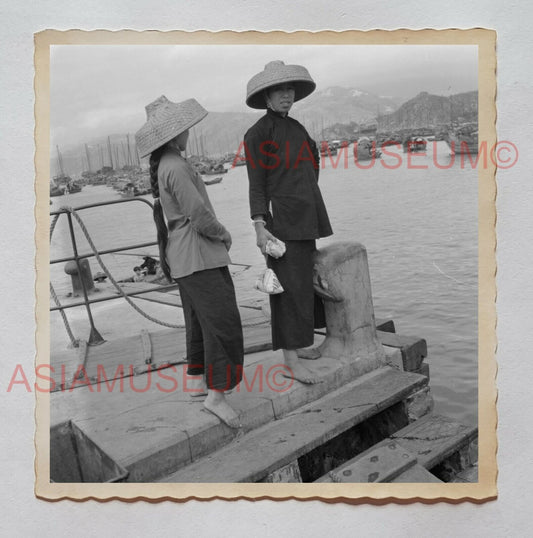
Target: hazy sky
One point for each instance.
(96, 90)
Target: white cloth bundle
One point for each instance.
(268, 283)
(275, 248)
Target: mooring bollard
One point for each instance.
(71, 268)
(342, 279)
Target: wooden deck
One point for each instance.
(429, 444)
(129, 396)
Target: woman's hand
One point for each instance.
(262, 236)
(226, 239)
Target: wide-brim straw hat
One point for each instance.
(277, 72)
(165, 121)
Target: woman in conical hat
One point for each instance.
(285, 203)
(194, 252)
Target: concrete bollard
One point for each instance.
(71, 268)
(342, 279)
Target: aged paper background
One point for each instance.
(482, 490)
(509, 513)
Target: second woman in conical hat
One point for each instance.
(194, 252)
(285, 203)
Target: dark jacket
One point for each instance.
(283, 164)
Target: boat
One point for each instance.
(328, 149)
(366, 149)
(414, 144)
(72, 188)
(55, 190)
(213, 181)
(238, 160)
(62, 178)
(141, 191)
(463, 139)
(213, 170)
(130, 189)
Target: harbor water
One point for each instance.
(418, 220)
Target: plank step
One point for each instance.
(381, 464)
(414, 349)
(417, 475)
(384, 325)
(266, 449)
(435, 438)
(431, 440)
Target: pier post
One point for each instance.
(342, 279)
(80, 277)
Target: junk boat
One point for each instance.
(414, 144)
(463, 139)
(366, 149)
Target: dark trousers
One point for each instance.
(213, 327)
(297, 311)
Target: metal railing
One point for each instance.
(95, 337)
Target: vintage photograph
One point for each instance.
(269, 265)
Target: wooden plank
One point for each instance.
(416, 475)
(288, 474)
(129, 355)
(413, 349)
(264, 450)
(431, 440)
(381, 464)
(385, 325)
(161, 298)
(435, 438)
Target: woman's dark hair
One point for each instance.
(159, 218)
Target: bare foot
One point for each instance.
(195, 386)
(216, 403)
(296, 370)
(309, 353)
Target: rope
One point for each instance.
(72, 211)
(73, 340)
(53, 225)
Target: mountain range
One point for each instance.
(334, 112)
(426, 110)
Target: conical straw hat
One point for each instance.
(165, 121)
(277, 72)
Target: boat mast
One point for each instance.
(109, 151)
(60, 162)
(116, 157)
(88, 158)
(202, 144)
(130, 160)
